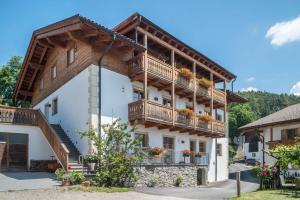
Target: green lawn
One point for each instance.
(267, 194)
(99, 189)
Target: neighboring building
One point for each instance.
(81, 75)
(281, 127)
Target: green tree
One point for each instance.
(8, 77)
(117, 153)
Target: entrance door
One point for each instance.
(193, 150)
(168, 144)
(46, 111)
(14, 148)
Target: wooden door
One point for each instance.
(193, 150)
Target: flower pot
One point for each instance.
(91, 166)
(66, 182)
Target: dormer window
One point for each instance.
(71, 55)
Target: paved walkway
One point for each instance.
(27, 181)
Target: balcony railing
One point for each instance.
(172, 157)
(149, 111)
(219, 96)
(21, 116)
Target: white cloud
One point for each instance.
(284, 32)
(249, 89)
(250, 79)
(296, 89)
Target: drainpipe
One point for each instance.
(108, 47)
(232, 84)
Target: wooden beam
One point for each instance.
(44, 43)
(35, 66)
(56, 42)
(25, 93)
(32, 79)
(59, 31)
(43, 54)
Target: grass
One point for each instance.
(99, 189)
(267, 194)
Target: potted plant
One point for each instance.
(65, 181)
(186, 73)
(205, 82)
(186, 153)
(91, 161)
(155, 152)
(186, 112)
(205, 117)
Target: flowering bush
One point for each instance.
(205, 117)
(186, 72)
(186, 152)
(265, 173)
(155, 151)
(186, 112)
(205, 82)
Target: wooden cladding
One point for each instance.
(159, 74)
(153, 114)
(22, 116)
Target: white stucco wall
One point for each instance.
(73, 108)
(38, 147)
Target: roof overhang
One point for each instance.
(235, 98)
(137, 19)
(58, 34)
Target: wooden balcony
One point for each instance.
(159, 74)
(18, 116)
(152, 114)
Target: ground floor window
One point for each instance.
(144, 137)
(202, 147)
(168, 143)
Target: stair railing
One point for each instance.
(59, 148)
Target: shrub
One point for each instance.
(178, 180)
(152, 181)
(59, 173)
(76, 177)
(117, 154)
(186, 72)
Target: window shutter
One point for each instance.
(284, 139)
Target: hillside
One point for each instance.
(260, 104)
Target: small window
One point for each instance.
(71, 56)
(54, 106)
(291, 134)
(219, 117)
(202, 147)
(138, 95)
(167, 102)
(42, 84)
(53, 72)
(144, 139)
(219, 149)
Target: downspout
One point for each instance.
(232, 84)
(108, 47)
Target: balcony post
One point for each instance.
(173, 85)
(212, 102)
(225, 105)
(146, 73)
(194, 95)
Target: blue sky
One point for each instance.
(232, 32)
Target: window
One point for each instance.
(168, 143)
(291, 134)
(42, 84)
(138, 95)
(53, 72)
(253, 147)
(167, 102)
(144, 139)
(253, 154)
(202, 147)
(71, 56)
(54, 106)
(219, 149)
(219, 117)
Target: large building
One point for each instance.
(79, 75)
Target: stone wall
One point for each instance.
(165, 176)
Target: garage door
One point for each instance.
(13, 151)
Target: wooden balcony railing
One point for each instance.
(219, 95)
(183, 82)
(20, 116)
(149, 111)
(159, 68)
(31, 117)
(201, 91)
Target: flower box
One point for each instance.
(186, 112)
(205, 82)
(206, 118)
(186, 153)
(155, 152)
(186, 73)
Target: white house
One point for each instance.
(78, 75)
(281, 127)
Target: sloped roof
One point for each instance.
(288, 114)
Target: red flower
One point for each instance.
(257, 163)
(69, 167)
